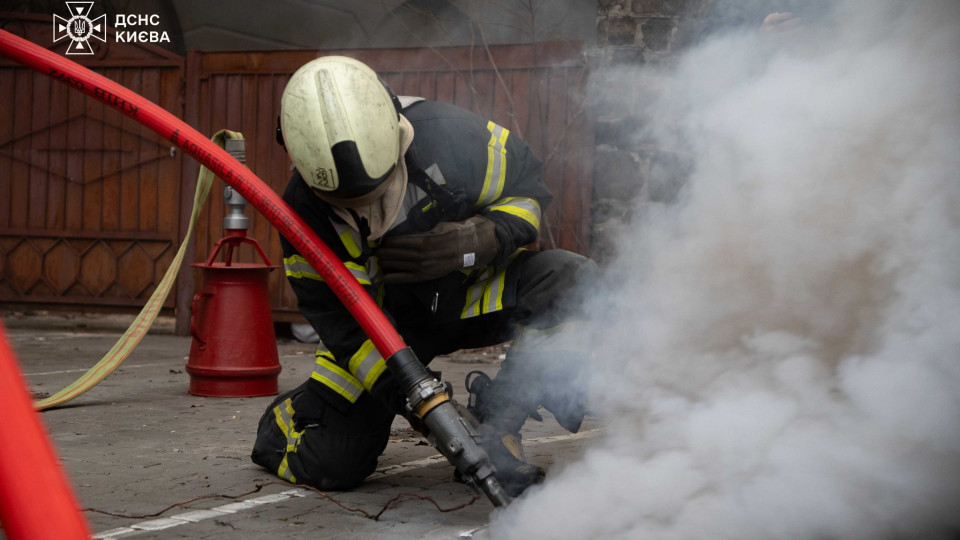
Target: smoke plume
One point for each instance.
(778, 352)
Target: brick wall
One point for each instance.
(641, 35)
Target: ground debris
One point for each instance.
(485, 355)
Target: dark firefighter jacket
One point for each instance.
(459, 165)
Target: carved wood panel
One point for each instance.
(89, 199)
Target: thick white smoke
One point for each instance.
(780, 356)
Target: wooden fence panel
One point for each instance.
(86, 218)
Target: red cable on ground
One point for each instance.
(363, 308)
(36, 500)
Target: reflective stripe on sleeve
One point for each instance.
(329, 374)
(297, 267)
(359, 272)
(495, 176)
(367, 365)
(524, 208)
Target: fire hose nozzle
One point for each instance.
(455, 437)
(459, 442)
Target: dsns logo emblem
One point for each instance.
(79, 28)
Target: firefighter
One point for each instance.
(430, 207)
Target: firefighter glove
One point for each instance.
(448, 247)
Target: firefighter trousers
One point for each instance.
(304, 439)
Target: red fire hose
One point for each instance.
(36, 500)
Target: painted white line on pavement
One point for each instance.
(194, 516)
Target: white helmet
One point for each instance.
(340, 125)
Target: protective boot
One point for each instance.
(544, 368)
(499, 429)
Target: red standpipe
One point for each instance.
(233, 352)
(36, 501)
(363, 308)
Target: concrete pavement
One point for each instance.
(138, 443)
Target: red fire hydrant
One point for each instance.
(234, 348)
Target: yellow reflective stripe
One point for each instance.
(289, 406)
(350, 243)
(293, 439)
(326, 372)
(524, 208)
(297, 267)
(349, 237)
(471, 307)
(486, 295)
(496, 174)
(283, 471)
(282, 421)
(284, 415)
(367, 365)
(359, 272)
(285, 421)
(493, 292)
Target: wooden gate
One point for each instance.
(89, 199)
(535, 91)
(92, 205)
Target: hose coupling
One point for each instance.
(426, 395)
